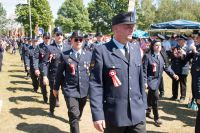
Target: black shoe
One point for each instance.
(28, 77)
(158, 122)
(149, 115)
(35, 90)
(51, 114)
(161, 95)
(45, 100)
(173, 98)
(182, 100)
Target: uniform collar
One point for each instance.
(61, 44)
(75, 51)
(119, 45)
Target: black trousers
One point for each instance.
(75, 109)
(1, 61)
(43, 88)
(152, 101)
(35, 80)
(139, 128)
(161, 86)
(197, 126)
(52, 98)
(183, 81)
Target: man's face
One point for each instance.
(30, 42)
(157, 47)
(198, 39)
(35, 42)
(181, 42)
(58, 37)
(46, 40)
(99, 38)
(77, 43)
(124, 31)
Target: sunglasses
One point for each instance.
(78, 39)
(47, 38)
(59, 34)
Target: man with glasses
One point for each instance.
(75, 64)
(38, 60)
(50, 65)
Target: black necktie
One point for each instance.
(78, 56)
(126, 52)
(60, 47)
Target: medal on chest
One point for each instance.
(115, 79)
(154, 67)
(42, 55)
(72, 66)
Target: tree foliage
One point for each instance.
(40, 14)
(169, 10)
(3, 20)
(102, 11)
(73, 16)
(148, 12)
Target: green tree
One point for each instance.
(146, 14)
(73, 16)
(40, 14)
(102, 11)
(169, 10)
(3, 20)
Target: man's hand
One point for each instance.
(145, 86)
(37, 73)
(175, 77)
(198, 101)
(100, 125)
(27, 69)
(194, 49)
(55, 93)
(45, 80)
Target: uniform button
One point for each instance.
(130, 88)
(130, 77)
(78, 66)
(130, 99)
(80, 83)
(79, 77)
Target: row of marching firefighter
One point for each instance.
(68, 64)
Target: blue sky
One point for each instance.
(9, 5)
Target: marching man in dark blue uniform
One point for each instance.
(154, 64)
(50, 65)
(38, 60)
(117, 94)
(75, 64)
(1, 53)
(181, 67)
(30, 63)
(25, 54)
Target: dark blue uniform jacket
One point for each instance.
(123, 105)
(76, 79)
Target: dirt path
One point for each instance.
(24, 111)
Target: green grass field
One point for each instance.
(23, 111)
